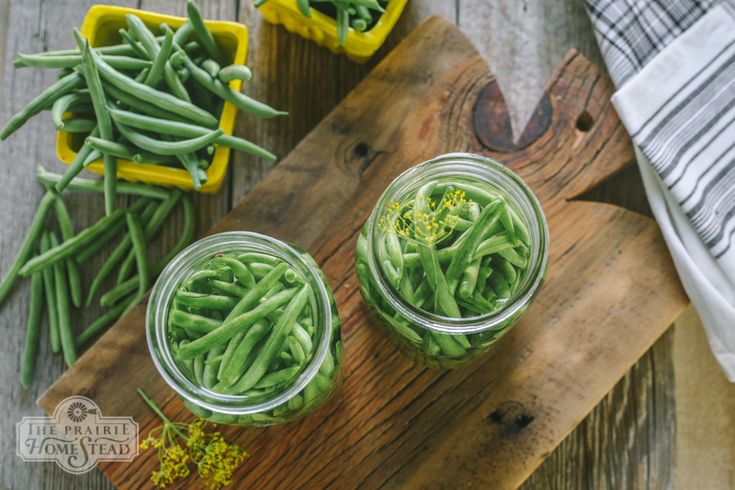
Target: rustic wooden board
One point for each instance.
(610, 293)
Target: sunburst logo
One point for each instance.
(77, 412)
(77, 436)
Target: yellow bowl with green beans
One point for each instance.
(244, 328)
(322, 25)
(101, 28)
(451, 257)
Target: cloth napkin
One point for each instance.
(673, 63)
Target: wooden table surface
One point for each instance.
(628, 441)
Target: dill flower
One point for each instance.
(180, 444)
(423, 219)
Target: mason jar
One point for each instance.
(451, 256)
(312, 383)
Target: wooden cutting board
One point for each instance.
(610, 293)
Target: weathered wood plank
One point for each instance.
(31, 26)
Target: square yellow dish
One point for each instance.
(322, 29)
(100, 27)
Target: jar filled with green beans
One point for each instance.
(451, 257)
(244, 328)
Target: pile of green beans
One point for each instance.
(53, 262)
(355, 14)
(246, 324)
(140, 100)
(453, 248)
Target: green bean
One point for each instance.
(62, 105)
(182, 33)
(49, 291)
(104, 123)
(436, 278)
(205, 301)
(469, 279)
(242, 273)
(151, 228)
(146, 205)
(155, 97)
(104, 321)
(209, 376)
(81, 184)
(67, 248)
(275, 340)
(493, 245)
(250, 257)
(514, 258)
(202, 33)
(238, 99)
(216, 360)
(199, 369)
(282, 377)
(296, 350)
(72, 60)
(156, 72)
(63, 309)
(152, 49)
(175, 128)
(190, 163)
(304, 7)
(114, 49)
(211, 67)
(193, 322)
(467, 249)
(26, 248)
(141, 259)
(184, 239)
(500, 285)
(448, 344)
(230, 327)
(78, 125)
(75, 166)
(45, 99)
(139, 104)
(242, 355)
(232, 346)
(121, 150)
(33, 328)
(67, 233)
(234, 72)
(135, 46)
(169, 147)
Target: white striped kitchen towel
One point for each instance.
(673, 62)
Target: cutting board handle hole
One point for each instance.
(361, 150)
(585, 122)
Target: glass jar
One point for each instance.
(312, 385)
(449, 191)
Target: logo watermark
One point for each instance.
(77, 437)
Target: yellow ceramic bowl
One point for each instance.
(101, 26)
(322, 29)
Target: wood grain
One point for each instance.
(523, 41)
(396, 423)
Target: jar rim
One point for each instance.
(172, 276)
(510, 184)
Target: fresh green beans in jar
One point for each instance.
(451, 257)
(244, 328)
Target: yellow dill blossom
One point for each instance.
(181, 444)
(423, 219)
